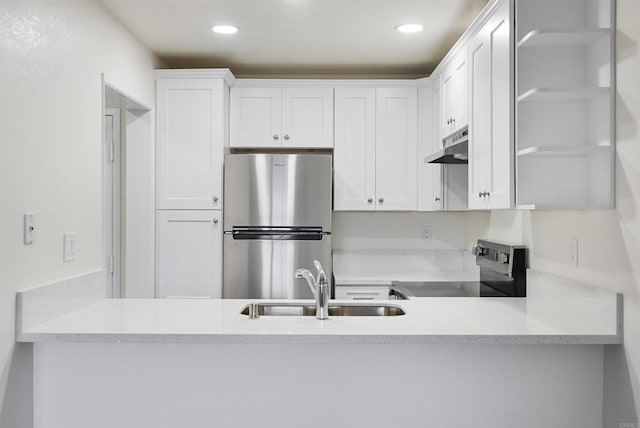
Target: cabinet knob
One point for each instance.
(215, 221)
(286, 137)
(215, 199)
(437, 199)
(370, 200)
(381, 200)
(480, 194)
(276, 137)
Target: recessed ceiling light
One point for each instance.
(225, 29)
(409, 28)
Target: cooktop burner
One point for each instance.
(407, 290)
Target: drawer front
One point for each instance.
(362, 293)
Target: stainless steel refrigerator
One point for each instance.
(277, 218)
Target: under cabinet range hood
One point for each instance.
(455, 149)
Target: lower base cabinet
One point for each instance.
(189, 253)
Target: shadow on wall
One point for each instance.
(619, 407)
(17, 408)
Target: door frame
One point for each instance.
(111, 154)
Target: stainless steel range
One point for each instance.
(503, 273)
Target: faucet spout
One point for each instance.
(319, 287)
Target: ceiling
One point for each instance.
(300, 38)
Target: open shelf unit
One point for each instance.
(565, 68)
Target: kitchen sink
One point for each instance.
(339, 310)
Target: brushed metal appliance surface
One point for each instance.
(277, 219)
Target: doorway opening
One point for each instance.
(128, 195)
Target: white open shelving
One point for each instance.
(577, 37)
(562, 94)
(559, 151)
(565, 70)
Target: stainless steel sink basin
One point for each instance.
(255, 310)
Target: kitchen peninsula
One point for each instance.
(192, 362)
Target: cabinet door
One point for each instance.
(354, 154)
(189, 253)
(426, 171)
(500, 30)
(396, 149)
(480, 126)
(447, 99)
(190, 140)
(461, 89)
(307, 117)
(491, 141)
(256, 117)
(437, 169)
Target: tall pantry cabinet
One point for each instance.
(191, 135)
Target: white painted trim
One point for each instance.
(199, 73)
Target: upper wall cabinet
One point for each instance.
(455, 93)
(491, 114)
(190, 126)
(375, 149)
(565, 98)
(282, 117)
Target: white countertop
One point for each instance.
(381, 267)
(533, 320)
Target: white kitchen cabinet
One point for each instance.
(455, 94)
(565, 85)
(358, 292)
(375, 163)
(355, 149)
(430, 185)
(191, 120)
(288, 117)
(189, 253)
(396, 149)
(491, 144)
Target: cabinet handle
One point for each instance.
(381, 200)
(215, 199)
(286, 137)
(437, 199)
(215, 221)
(276, 137)
(370, 200)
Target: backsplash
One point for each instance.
(398, 230)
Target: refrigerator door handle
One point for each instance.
(275, 235)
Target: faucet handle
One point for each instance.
(322, 277)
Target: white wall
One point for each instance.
(609, 241)
(51, 56)
(398, 230)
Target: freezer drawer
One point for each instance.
(264, 269)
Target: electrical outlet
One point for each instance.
(427, 233)
(69, 253)
(573, 252)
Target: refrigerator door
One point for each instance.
(290, 190)
(256, 268)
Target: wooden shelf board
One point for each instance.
(562, 94)
(578, 37)
(559, 151)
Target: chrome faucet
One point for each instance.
(319, 287)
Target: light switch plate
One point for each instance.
(573, 252)
(29, 228)
(427, 232)
(69, 252)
